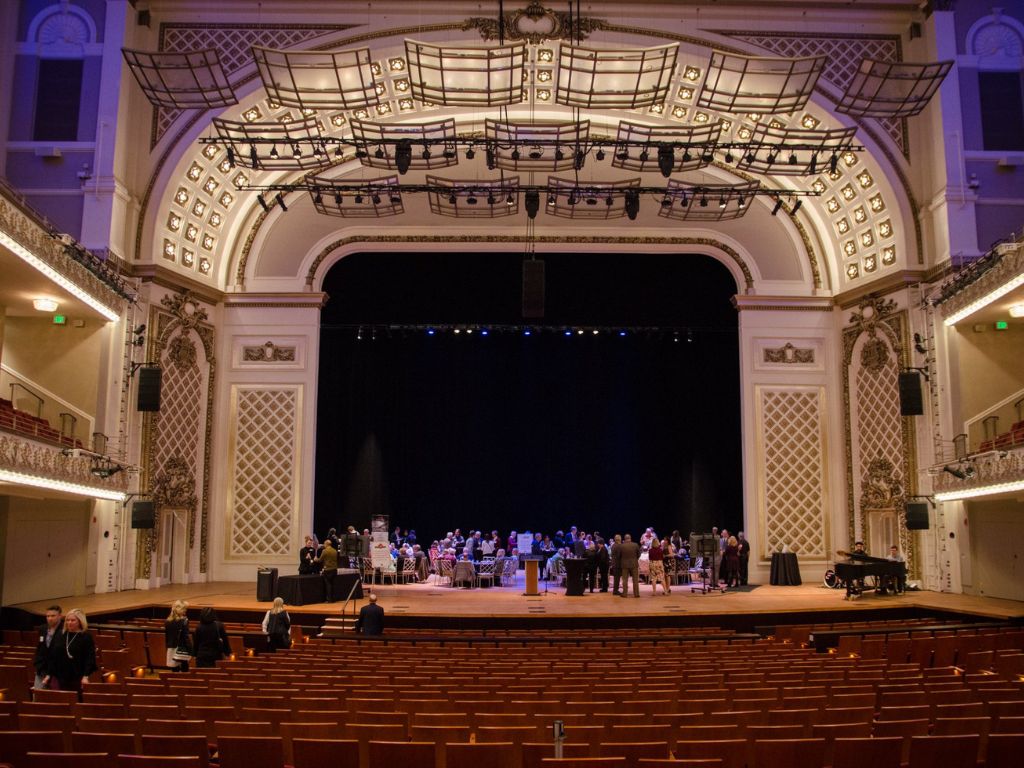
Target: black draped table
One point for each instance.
(309, 588)
(574, 580)
(785, 570)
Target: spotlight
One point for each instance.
(708, 155)
(470, 152)
(338, 153)
(491, 164)
(567, 332)
(531, 200)
(833, 163)
(599, 155)
(609, 201)
(666, 160)
(376, 199)
(263, 203)
(359, 199)
(632, 204)
(721, 202)
(431, 331)
(403, 155)
(814, 163)
(379, 153)
(687, 157)
(448, 153)
(515, 154)
(962, 472)
(395, 199)
(254, 157)
(471, 200)
(751, 156)
(491, 200)
(452, 199)
(296, 150)
(231, 157)
(622, 333)
(280, 201)
(577, 160)
(729, 157)
(318, 198)
(741, 202)
(778, 206)
(689, 336)
(535, 154)
(484, 332)
(666, 202)
(771, 157)
(796, 206)
(139, 329)
(273, 152)
(703, 201)
(425, 154)
(559, 154)
(510, 199)
(919, 344)
(527, 332)
(338, 198)
(645, 155)
(793, 158)
(622, 154)
(552, 198)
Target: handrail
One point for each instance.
(65, 417)
(39, 399)
(351, 599)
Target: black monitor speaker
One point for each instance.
(149, 388)
(143, 514)
(911, 403)
(917, 516)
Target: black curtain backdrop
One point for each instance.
(538, 432)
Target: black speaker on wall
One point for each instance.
(150, 377)
(917, 516)
(911, 403)
(533, 288)
(143, 514)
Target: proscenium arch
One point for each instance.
(728, 256)
(234, 251)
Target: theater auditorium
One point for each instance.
(456, 318)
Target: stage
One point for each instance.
(428, 605)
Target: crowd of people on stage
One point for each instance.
(617, 556)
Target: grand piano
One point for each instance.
(854, 571)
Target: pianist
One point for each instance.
(855, 586)
(900, 579)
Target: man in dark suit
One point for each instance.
(47, 632)
(629, 558)
(602, 564)
(616, 562)
(371, 618)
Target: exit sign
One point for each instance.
(1001, 325)
(59, 319)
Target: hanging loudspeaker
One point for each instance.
(910, 395)
(917, 516)
(533, 288)
(143, 514)
(149, 388)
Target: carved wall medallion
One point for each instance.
(268, 353)
(881, 487)
(182, 352)
(534, 24)
(874, 354)
(175, 485)
(788, 354)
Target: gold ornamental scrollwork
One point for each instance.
(534, 25)
(881, 487)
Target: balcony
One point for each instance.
(984, 475)
(27, 461)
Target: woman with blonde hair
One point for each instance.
(731, 562)
(656, 564)
(73, 657)
(176, 637)
(277, 625)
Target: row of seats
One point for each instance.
(319, 747)
(25, 423)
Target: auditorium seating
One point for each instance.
(627, 701)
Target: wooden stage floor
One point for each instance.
(430, 601)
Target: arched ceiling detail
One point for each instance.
(203, 229)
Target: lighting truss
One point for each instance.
(466, 77)
(886, 89)
(758, 84)
(188, 80)
(537, 147)
(614, 79)
(291, 144)
(317, 79)
(794, 151)
(473, 198)
(405, 146)
(570, 199)
(647, 148)
(356, 199)
(707, 202)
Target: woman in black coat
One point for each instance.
(210, 640)
(72, 654)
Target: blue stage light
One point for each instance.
(430, 331)
(484, 332)
(527, 332)
(568, 333)
(622, 333)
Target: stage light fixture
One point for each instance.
(962, 472)
(403, 155)
(254, 157)
(470, 152)
(632, 198)
(919, 344)
(531, 200)
(666, 159)
(777, 207)
(813, 168)
(729, 157)
(376, 199)
(796, 206)
(793, 160)
(833, 163)
(279, 199)
(452, 199)
(231, 157)
(379, 153)
(599, 155)
(273, 152)
(425, 154)
(263, 203)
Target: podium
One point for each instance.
(574, 576)
(266, 584)
(532, 580)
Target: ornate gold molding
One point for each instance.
(788, 355)
(268, 353)
(534, 25)
(26, 456)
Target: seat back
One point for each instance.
(947, 751)
(192, 745)
(250, 751)
(877, 752)
(317, 753)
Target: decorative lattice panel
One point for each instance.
(793, 471)
(181, 400)
(844, 56)
(233, 46)
(879, 427)
(264, 469)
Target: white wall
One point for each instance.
(997, 544)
